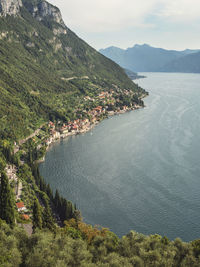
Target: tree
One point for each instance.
(48, 221)
(49, 192)
(7, 211)
(2, 162)
(37, 215)
(57, 200)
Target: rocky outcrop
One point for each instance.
(39, 9)
(43, 10)
(58, 31)
(10, 7)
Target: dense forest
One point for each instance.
(81, 245)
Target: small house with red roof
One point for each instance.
(20, 206)
(25, 217)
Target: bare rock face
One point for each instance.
(10, 7)
(44, 10)
(39, 9)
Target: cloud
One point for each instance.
(164, 23)
(181, 10)
(114, 15)
(104, 15)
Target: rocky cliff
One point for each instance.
(43, 10)
(10, 7)
(40, 10)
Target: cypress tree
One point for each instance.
(57, 200)
(7, 211)
(30, 156)
(70, 210)
(35, 174)
(49, 191)
(64, 210)
(48, 221)
(37, 215)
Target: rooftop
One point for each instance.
(20, 205)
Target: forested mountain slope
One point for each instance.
(45, 73)
(45, 68)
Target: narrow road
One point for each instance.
(22, 141)
(19, 190)
(32, 135)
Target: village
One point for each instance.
(11, 172)
(93, 116)
(48, 133)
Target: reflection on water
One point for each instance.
(139, 170)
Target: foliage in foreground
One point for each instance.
(74, 245)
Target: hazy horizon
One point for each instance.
(149, 45)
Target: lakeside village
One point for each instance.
(94, 116)
(49, 132)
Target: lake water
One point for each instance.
(139, 170)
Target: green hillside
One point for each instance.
(84, 246)
(46, 70)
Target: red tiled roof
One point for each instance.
(98, 108)
(26, 217)
(20, 205)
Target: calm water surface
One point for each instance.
(139, 170)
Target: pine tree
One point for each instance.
(49, 192)
(37, 215)
(7, 211)
(57, 200)
(48, 221)
(70, 210)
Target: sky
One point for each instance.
(170, 24)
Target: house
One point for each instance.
(25, 217)
(52, 125)
(64, 130)
(76, 121)
(94, 119)
(86, 121)
(49, 141)
(97, 110)
(20, 206)
(55, 134)
(74, 128)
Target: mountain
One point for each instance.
(133, 75)
(116, 54)
(189, 63)
(46, 69)
(144, 57)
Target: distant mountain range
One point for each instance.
(141, 58)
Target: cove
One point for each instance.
(139, 170)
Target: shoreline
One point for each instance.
(89, 128)
(59, 131)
